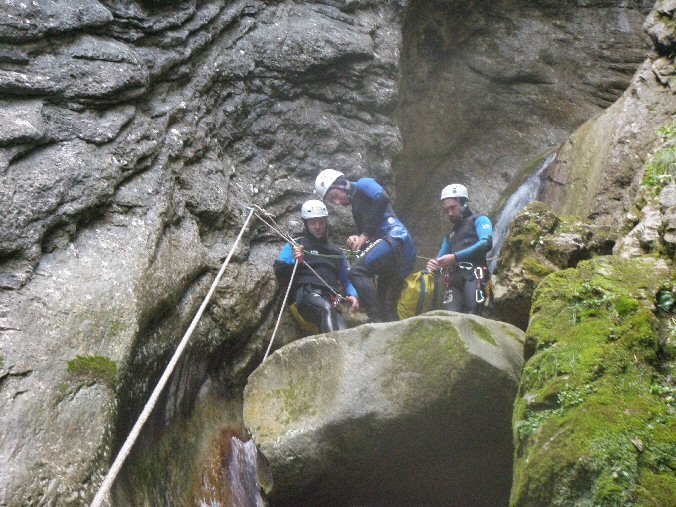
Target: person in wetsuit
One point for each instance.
(462, 257)
(315, 297)
(385, 247)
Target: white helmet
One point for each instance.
(455, 191)
(325, 179)
(313, 209)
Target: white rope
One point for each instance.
(281, 310)
(150, 404)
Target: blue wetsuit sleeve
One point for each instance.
(286, 255)
(348, 288)
(445, 248)
(378, 201)
(484, 230)
(284, 264)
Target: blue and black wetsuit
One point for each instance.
(311, 296)
(390, 253)
(470, 241)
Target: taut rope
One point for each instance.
(150, 404)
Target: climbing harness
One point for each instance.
(468, 272)
(150, 404)
(305, 325)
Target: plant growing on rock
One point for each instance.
(662, 168)
(594, 421)
(93, 369)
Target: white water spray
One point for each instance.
(523, 196)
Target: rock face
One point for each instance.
(134, 135)
(409, 413)
(594, 421)
(599, 168)
(488, 87)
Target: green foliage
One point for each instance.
(94, 369)
(662, 168)
(667, 133)
(594, 421)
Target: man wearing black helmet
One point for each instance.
(321, 273)
(462, 257)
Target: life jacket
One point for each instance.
(463, 236)
(326, 267)
(418, 296)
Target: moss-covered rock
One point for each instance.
(652, 225)
(539, 243)
(594, 420)
(94, 369)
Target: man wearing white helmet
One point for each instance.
(462, 257)
(314, 300)
(388, 250)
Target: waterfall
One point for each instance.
(236, 484)
(523, 196)
(243, 474)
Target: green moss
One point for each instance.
(482, 332)
(427, 354)
(593, 424)
(95, 369)
(298, 399)
(512, 334)
(535, 267)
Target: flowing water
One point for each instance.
(523, 196)
(233, 483)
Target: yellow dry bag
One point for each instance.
(418, 295)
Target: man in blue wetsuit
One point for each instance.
(385, 246)
(462, 258)
(315, 297)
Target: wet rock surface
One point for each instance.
(541, 242)
(489, 87)
(599, 169)
(407, 413)
(134, 135)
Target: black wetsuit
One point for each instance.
(390, 253)
(470, 241)
(312, 297)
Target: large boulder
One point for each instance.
(410, 413)
(594, 421)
